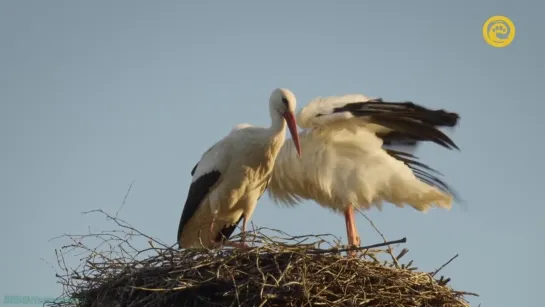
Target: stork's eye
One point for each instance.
(285, 100)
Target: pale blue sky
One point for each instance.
(96, 94)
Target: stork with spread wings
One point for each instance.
(351, 157)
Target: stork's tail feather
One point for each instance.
(420, 196)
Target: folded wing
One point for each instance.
(207, 174)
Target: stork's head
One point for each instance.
(283, 101)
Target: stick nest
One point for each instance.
(278, 270)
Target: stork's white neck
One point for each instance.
(278, 124)
(276, 133)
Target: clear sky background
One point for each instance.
(97, 94)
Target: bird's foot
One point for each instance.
(352, 253)
(240, 245)
(355, 242)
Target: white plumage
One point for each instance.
(346, 162)
(232, 175)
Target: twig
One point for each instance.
(394, 259)
(124, 199)
(444, 265)
(356, 248)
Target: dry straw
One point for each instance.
(278, 270)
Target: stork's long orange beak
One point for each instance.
(292, 126)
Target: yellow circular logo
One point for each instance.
(498, 31)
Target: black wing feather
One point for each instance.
(227, 231)
(197, 192)
(194, 168)
(414, 129)
(439, 118)
(411, 123)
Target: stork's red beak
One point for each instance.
(292, 126)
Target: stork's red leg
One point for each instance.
(351, 231)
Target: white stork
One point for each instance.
(232, 175)
(344, 164)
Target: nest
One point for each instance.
(277, 270)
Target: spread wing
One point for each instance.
(394, 122)
(345, 135)
(400, 125)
